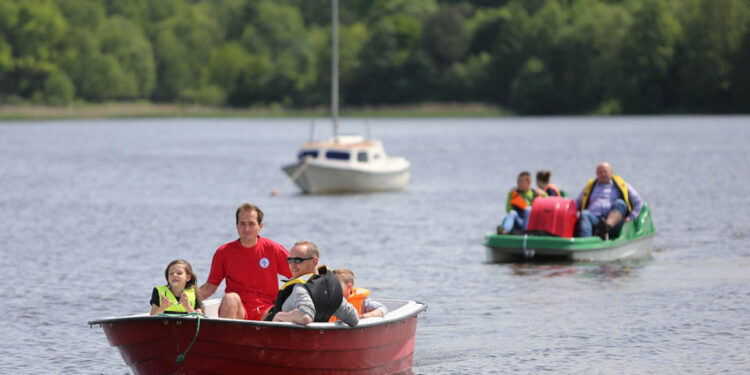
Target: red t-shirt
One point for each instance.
(250, 271)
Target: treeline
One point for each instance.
(530, 56)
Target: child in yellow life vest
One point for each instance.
(358, 297)
(181, 281)
(518, 205)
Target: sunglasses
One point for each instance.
(297, 260)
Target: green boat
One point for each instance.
(633, 242)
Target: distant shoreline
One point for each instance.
(142, 110)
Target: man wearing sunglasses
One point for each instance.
(314, 294)
(250, 266)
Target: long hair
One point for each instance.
(192, 283)
(543, 176)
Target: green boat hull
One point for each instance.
(634, 242)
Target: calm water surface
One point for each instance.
(92, 211)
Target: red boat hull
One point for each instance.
(151, 345)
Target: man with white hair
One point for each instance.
(605, 203)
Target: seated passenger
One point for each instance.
(542, 180)
(313, 295)
(518, 205)
(605, 203)
(181, 281)
(358, 297)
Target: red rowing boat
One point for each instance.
(212, 345)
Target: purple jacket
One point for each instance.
(603, 196)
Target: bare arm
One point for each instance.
(206, 290)
(371, 314)
(162, 307)
(372, 308)
(185, 302)
(294, 316)
(155, 309)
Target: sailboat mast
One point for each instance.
(335, 69)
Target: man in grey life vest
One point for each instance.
(313, 294)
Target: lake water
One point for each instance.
(92, 211)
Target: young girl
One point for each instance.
(181, 281)
(542, 180)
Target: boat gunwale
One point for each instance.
(570, 249)
(559, 243)
(366, 323)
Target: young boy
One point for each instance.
(518, 205)
(358, 297)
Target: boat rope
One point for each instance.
(198, 316)
(528, 253)
(295, 175)
(302, 167)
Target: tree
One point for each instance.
(647, 54)
(532, 90)
(714, 32)
(226, 65)
(253, 79)
(278, 32)
(588, 55)
(446, 35)
(741, 76)
(58, 90)
(34, 32)
(182, 48)
(123, 40)
(508, 48)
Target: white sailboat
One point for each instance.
(345, 163)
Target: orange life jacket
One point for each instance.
(517, 200)
(554, 188)
(356, 299)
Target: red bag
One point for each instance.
(554, 215)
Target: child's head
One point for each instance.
(180, 273)
(346, 278)
(524, 181)
(542, 178)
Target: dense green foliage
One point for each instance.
(531, 56)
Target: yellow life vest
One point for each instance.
(619, 182)
(176, 306)
(325, 292)
(356, 299)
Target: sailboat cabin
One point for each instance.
(343, 148)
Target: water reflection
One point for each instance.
(586, 270)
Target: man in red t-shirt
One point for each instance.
(249, 265)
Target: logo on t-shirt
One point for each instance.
(264, 263)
